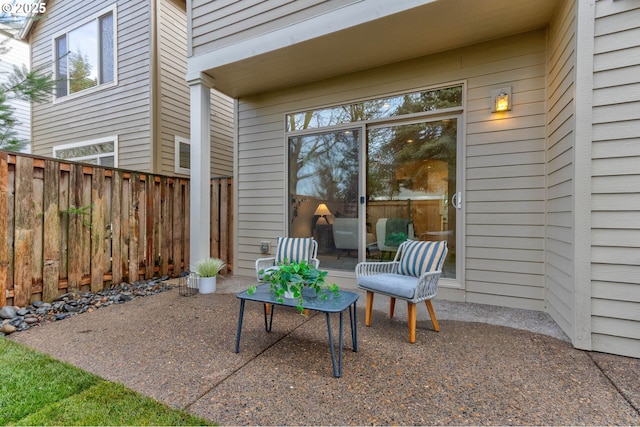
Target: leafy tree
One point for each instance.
(32, 86)
(80, 72)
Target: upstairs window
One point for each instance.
(85, 55)
(101, 152)
(183, 155)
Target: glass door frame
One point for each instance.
(454, 111)
(458, 282)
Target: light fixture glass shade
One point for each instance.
(322, 210)
(502, 101)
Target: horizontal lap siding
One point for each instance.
(122, 110)
(222, 23)
(616, 179)
(504, 158)
(505, 176)
(174, 91)
(560, 170)
(174, 98)
(222, 126)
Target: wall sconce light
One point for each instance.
(322, 211)
(501, 99)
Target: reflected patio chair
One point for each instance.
(412, 276)
(345, 236)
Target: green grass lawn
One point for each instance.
(36, 389)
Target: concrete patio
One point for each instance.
(487, 365)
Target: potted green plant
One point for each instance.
(207, 270)
(288, 279)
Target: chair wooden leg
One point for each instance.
(432, 313)
(392, 306)
(411, 313)
(367, 313)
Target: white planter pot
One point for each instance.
(288, 294)
(207, 285)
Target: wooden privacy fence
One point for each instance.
(68, 227)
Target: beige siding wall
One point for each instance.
(505, 186)
(174, 96)
(616, 179)
(174, 92)
(221, 23)
(222, 132)
(560, 170)
(122, 110)
(505, 197)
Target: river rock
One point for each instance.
(8, 329)
(74, 303)
(8, 312)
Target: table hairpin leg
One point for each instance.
(337, 372)
(239, 325)
(354, 329)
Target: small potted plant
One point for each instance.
(288, 279)
(207, 270)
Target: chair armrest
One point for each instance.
(263, 263)
(315, 262)
(370, 268)
(427, 285)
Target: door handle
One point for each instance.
(456, 200)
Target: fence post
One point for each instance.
(4, 226)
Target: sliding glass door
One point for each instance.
(323, 188)
(411, 181)
(365, 176)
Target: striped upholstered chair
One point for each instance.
(294, 249)
(412, 276)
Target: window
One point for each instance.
(101, 152)
(415, 103)
(183, 155)
(85, 55)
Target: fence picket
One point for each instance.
(51, 249)
(23, 240)
(74, 244)
(116, 227)
(97, 243)
(165, 225)
(4, 222)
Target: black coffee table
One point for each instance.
(332, 304)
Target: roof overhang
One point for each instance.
(307, 52)
(30, 20)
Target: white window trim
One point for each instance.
(113, 139)
(114, 10)
(176, 157)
